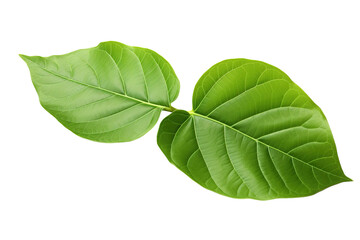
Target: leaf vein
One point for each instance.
(256, 140)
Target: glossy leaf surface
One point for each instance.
(110, 93)
(253, 133)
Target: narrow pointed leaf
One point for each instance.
(109, 93)
(253, 133)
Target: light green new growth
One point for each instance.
(252, 133)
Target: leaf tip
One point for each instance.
(24, 57)
(348, 179)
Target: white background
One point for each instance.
(55, 185)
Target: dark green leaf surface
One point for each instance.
(110, 93)
(253, 133)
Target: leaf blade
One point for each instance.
(260, 135)
(86, 92)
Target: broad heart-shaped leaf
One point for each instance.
(109, 93)
(253, 133)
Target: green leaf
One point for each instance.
(253, 133)
(109, 93)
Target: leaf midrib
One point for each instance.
(267, 145)
(99, 88)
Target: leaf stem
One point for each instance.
(170, 109)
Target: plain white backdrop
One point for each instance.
(56, 185)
